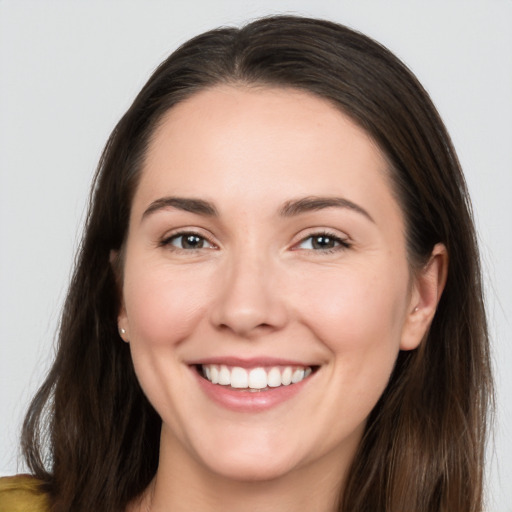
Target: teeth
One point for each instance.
(239, 378)
(286, 376)
(274, 378)
(256, 378)
(297, 375)
(224, 376)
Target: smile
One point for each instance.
(257, 379)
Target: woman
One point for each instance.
(277, 303)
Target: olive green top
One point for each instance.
(22, 494)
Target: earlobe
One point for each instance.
(427, 289)
(123, 334)
(122, 325)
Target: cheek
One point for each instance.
(162, 307)
(356, 311)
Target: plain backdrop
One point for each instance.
(68, 71)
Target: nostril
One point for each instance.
(247, 305)
(247, 330)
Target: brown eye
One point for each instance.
(188, 241)
(322, 242)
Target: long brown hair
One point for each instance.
(92, 436)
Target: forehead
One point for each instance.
(293, 114)
(267, 144)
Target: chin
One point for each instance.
(264, 469)
(249, 460)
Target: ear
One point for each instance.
(122, 324)
(122, 320)
(426, 291)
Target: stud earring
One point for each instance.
(122, 331)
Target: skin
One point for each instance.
(258, 287)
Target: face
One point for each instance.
(266, 288)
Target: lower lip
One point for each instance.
(249, 401)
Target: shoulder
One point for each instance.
(22, 493)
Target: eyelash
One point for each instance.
(340, 243)
(167, 242)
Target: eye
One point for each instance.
(188, 241)
(323, 242)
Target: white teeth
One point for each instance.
(214, 374)
(286, 376)
(297, 375)
(224, 376)
(239, 378)
(256, 378)
(274, 378)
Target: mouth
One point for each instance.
(257, 379)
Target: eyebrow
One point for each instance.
(313, 203)
(289, 209)
(198, 206)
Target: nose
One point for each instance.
(249, 301)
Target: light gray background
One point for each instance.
(68, 70)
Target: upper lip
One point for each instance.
(253, 362)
